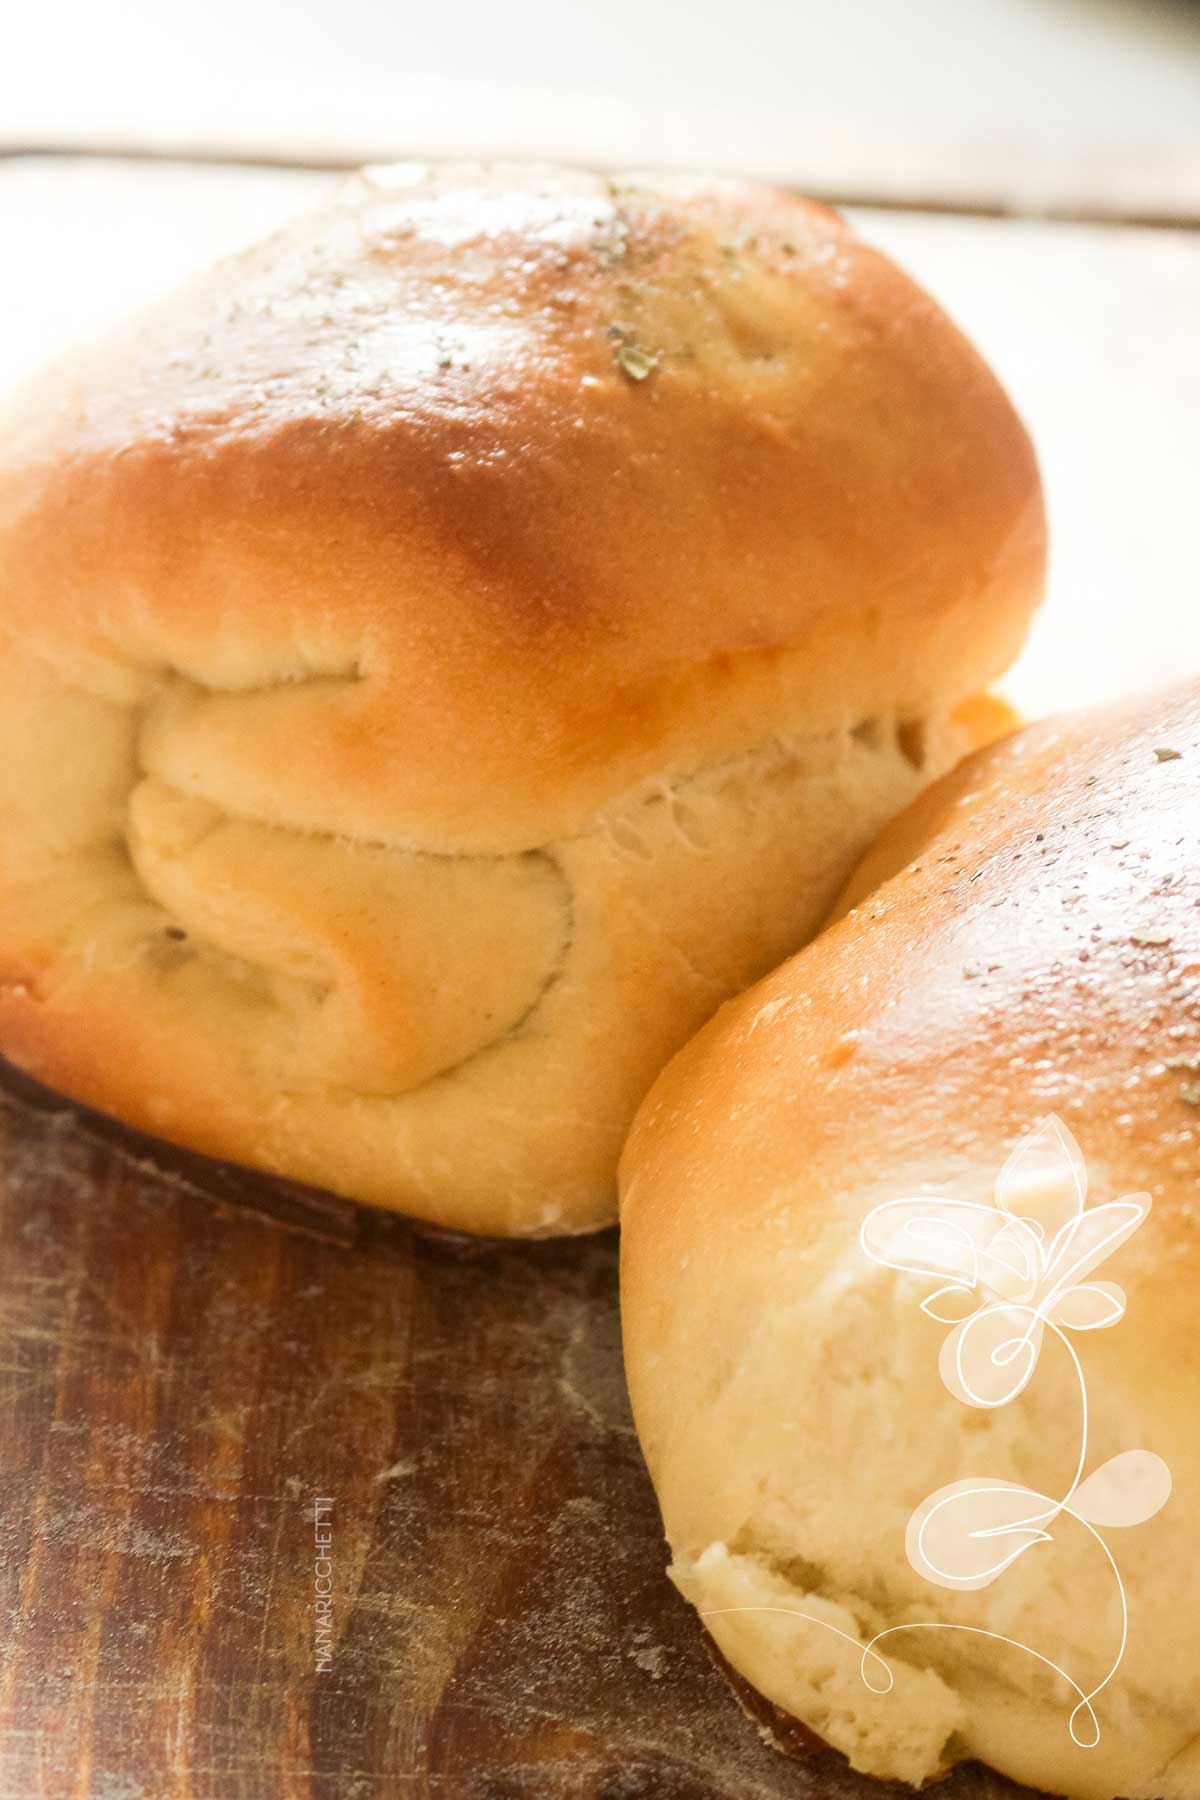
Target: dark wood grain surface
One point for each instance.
(189, 1357)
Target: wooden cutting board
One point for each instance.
(190, 1357)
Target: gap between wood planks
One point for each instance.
(985, 203)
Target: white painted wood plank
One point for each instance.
(1035, 105)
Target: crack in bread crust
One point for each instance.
(306, 974)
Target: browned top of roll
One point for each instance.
(553, 460)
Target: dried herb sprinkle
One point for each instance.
(637, 364)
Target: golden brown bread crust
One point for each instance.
(1023, 940)
(397, 444)
(459, 518)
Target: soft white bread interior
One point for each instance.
(1022, 944)
(447, 650)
